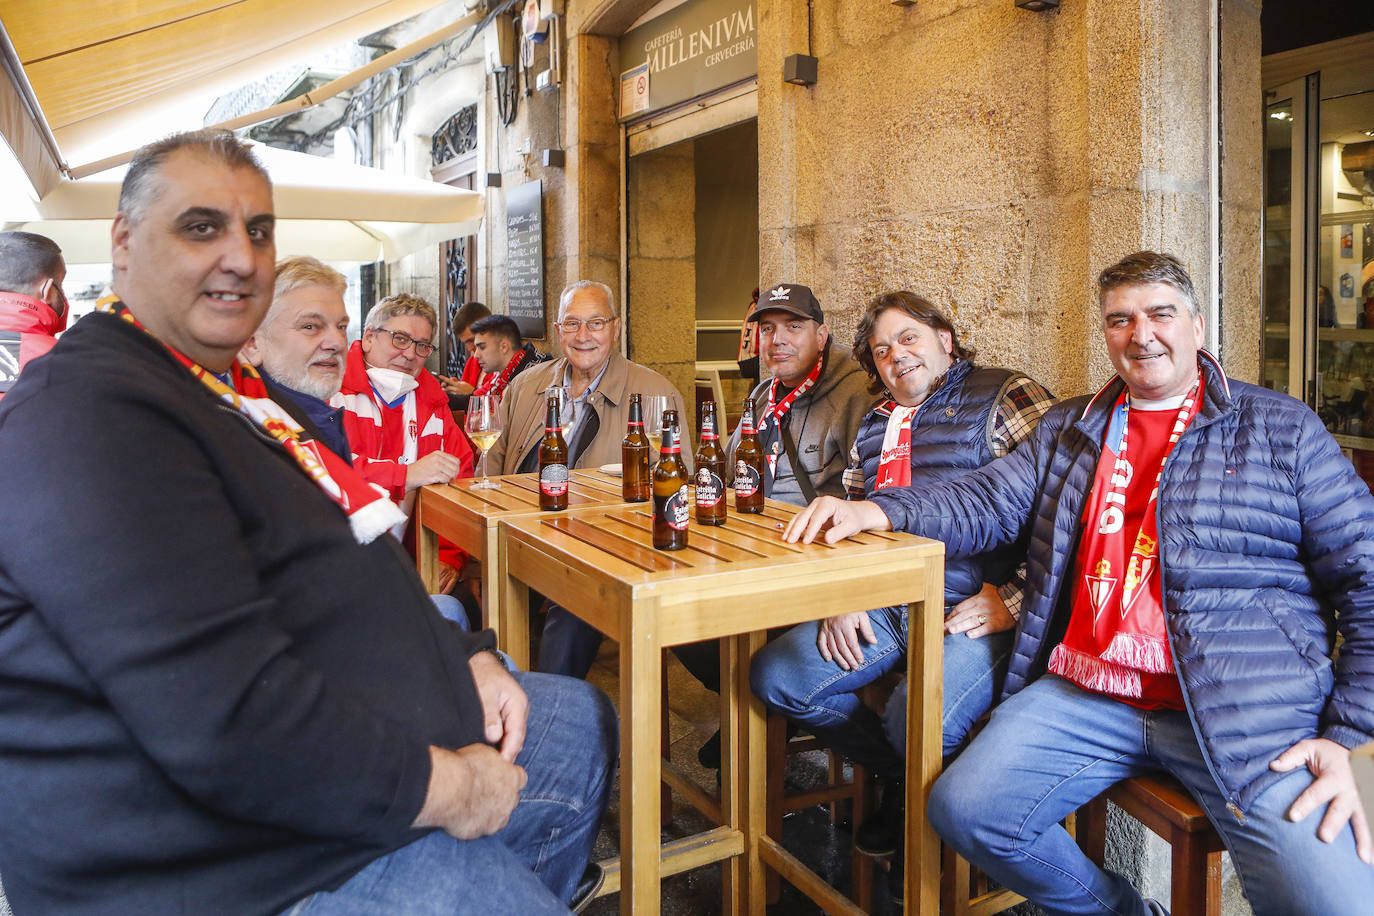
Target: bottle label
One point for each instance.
(710, 488)
(676, 509)
(746, 479)
(553, 479)
(708, 428)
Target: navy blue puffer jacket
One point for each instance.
(1266, 549)
(950, 436)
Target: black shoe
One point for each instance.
(587, 886)
(881, 832)
(896, 876)
(708, 755)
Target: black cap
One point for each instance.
(789, 297)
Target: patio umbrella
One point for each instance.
(333, 210)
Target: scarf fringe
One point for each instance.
(1140, 652)
(375, 519)
(1095, 674)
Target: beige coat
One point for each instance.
(522, 412)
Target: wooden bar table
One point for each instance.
(468, 517)
(732, 582)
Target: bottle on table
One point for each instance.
(672, 508)
(635, 486)
(553, 462)
(710, 473)
(748, 465)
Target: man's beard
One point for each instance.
(323, 388)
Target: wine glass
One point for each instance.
(484, 428)
(654, 405)
(567, 407)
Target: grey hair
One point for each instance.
(1145, 267)
(295, 272)
(573, 289)
(26, 260)
(402, 304)
(141, 186)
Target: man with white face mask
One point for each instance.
(396, 413)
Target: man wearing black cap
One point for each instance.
(808, 415)
(809, 411)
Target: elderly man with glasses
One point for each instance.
(396, 413)
(599, 382)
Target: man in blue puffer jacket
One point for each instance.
(1195, 545)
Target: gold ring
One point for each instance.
(982, 619)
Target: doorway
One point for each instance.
(692, 258)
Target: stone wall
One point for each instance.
(994, 159)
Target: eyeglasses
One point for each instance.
(595, 325)
(404, 341)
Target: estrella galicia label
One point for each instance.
(746, 479)
(710, 488)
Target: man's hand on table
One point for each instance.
(837, 638)
(436, 467)
(1334, 787)
(838, 518)
(504, 704)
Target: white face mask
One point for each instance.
(390, 384)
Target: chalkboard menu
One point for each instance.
(525, 258)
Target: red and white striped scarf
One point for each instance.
(497, 384)
(776, 410)
(894, 462)
(370, 512)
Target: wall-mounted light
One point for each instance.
(903, 2)
(553, 158)
(800, 70)
(1038, 6)
(493, 179)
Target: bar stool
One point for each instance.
(1160, 803)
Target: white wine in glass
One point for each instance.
(654, 405)
(484, 428)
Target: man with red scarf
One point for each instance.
(222, 688)
(33, 308)
(396, 414)
(498, 349)
(1196, 545)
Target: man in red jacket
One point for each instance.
(396, 414)
(33, 308)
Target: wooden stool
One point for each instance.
(780, 803)
(1160, 803)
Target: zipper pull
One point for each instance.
(1235, 812)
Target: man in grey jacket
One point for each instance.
(817, 397)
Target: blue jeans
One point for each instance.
(532, 865)
(450, 608)
(791, 678)
(569, 644)
(1052, 747)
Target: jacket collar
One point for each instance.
(355, 380)
(1216, 397)
(614, 381)
(28, 315)
(943, 386)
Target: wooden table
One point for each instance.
(468, 518)
(733, 582)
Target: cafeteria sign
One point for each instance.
(694, 48)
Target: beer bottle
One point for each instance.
(553, 462)
(671, 505)
(634, 456)
(710, 473)
(748, 465)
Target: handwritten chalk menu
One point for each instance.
(525, 258)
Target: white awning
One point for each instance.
(329, 209)
(101, 70)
